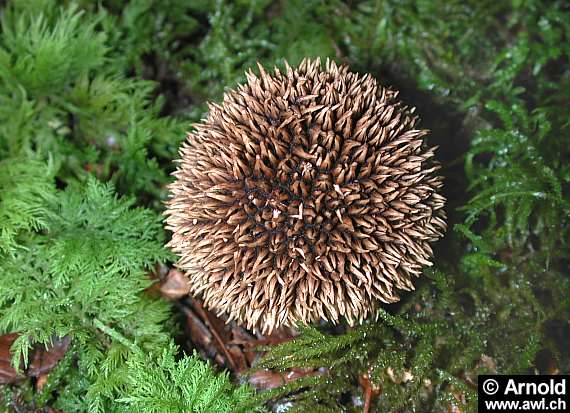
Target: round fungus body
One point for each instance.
(307, 194)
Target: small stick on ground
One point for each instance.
(204, 314)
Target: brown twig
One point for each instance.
(367, 399)
(198, 331)
(369, 389)
(204, 314)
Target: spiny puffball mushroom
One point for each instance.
(305, 195)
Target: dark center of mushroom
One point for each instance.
(300, 201)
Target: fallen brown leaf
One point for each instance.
(41, 382)
(42, 360)
(267, 379)
(175, 285)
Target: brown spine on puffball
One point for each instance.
(306, 195)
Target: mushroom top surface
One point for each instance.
(305, 195)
